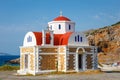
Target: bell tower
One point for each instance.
(61, 25)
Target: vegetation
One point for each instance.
(116, 23)
(8, 68)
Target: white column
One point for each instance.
(84, 62)
(37, 58)
(76, 64)
(43, 37)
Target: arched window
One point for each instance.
(29, 39)
(75, 39)
(81, 39)
(69, 27)
(78, 38)
(59, 27)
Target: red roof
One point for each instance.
(61, 18)
(64, 39)
(38, 36)
(59, 39)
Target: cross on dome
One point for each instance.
(61, 18)
(61, 13)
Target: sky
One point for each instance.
(17, 17)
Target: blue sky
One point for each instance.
(17, 17)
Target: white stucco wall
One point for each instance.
(72, 41)
(64, 26)
(72, 27)
(31, 42)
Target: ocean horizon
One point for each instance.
(5, 58)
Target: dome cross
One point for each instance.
(61, 13)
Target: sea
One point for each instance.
(5, 58)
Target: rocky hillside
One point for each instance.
(108, 41)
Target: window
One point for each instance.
(78, 38)
(81, 39)
(59, 26)
(69, 27)
(75, 38)
(29, 39)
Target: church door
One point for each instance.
(26, 61)
(80, 61)
(80, 58)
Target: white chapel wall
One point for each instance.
(72, 27)
(29, 39)
(54, 25)
(82, 41)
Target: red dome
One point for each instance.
(61, 18)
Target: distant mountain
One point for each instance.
(107, 39)
(2, 54)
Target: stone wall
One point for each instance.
(48, 62)
(71, 62)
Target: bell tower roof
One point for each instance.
(61, 25)
(61, 18)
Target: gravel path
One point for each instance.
(9, 75)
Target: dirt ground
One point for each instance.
(10, 75)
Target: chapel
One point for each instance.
(58, 48)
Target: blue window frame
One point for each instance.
(81, 39)
(69, 27)
(78, 38)
(29, 39)
(59, 26)
(75, 39)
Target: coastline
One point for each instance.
(4, 59)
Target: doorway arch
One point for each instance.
(79, 49)
(80, 63)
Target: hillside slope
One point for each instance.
(108, 41)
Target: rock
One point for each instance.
(15, 61)
(107, 39)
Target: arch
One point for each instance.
(79, 61)
(77, 50)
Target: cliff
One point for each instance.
(107, 39)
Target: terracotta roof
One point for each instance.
(64, 39)
(38, 36)
(61, 18)
(59, 39)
